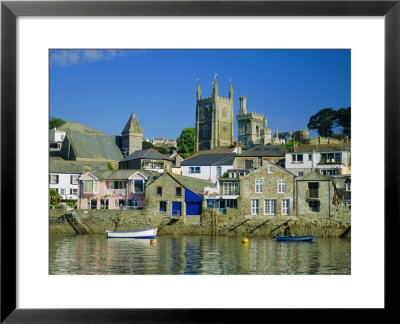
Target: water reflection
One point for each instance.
(94, 254)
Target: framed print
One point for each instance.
(37, 34)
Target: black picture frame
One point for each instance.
(10, 10)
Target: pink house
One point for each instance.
(112, 189)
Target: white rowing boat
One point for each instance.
(149, 233)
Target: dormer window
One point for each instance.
(90, 186)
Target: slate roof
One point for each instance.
(194, 184)
(95, 146)
(118, 174)
(304, 148)
(78, 127)
(265, 150)
(203, 158)
(64, 166)
(146, 154)
(132, 126)
(313, 176)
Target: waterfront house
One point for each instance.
(326, 159)
(259, 156)
(64, 175)
(175, 196)
(148, 159)
(208, 165)
(315, 194)
(268, 192)
(113, 189)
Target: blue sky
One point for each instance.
(101, 88)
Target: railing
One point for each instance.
(115, 192)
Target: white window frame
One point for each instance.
(270, 169)
(95, 186)
(194, 170)
(258, 185)
(56, 178)
(219, 171)
(281, 186)
(270, 207)
(348, 186)
(295, 157)
(74, 179)
(133, 185)
(254, 207)
(285, 207)
(62, 191)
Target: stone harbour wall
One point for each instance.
(210, 223)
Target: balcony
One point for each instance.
(115, 192)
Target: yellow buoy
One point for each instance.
(245, 240)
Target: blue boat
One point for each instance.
(295, 238)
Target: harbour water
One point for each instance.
(201, 255)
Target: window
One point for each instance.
(138, 185)
(194, 170)
(331, 158)
(159, 191)
(285, 206)
(219, 171)
(117, 185)
(309, 157)
(270, 169)
(270, 207)
(348, 186)
(73, 192)
(300, 174)
(259, 185)
(347, 205)
(90, 186)
(230, 188)
(313, 206)
(254, 206)
(329, 172)
(313, 189)
(178, 192)
(62, 191)
(116, 203)
(248, 164)
(281, 186)
(104, 203)
(93, 204)
(163, 206)
(73, 179)
(231, 203)
(54, 178)
(297, 158)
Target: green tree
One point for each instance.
(185, 141)
(56, 122)
(147, 145)
(53, 197)
(323, 122)
(343, 120)
(161, 149)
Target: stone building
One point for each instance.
(214, 120)
(148, 159)
(268, 192)
(315, 194)
(259, 155)
(132, 136)
(174, 196)
(252, 127)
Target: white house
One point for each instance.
(326, 159)
(64, 175)
(56, 138)
(208, 165)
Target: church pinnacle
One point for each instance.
(215, 87)
(198, 92)
(230, 91)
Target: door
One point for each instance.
(176, 208)
(193, 208)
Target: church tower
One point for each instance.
(132, 136)
(214, 119)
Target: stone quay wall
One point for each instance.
(210, 223)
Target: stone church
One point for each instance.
(132, 136)
(214, 120)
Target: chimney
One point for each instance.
(177, 161)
